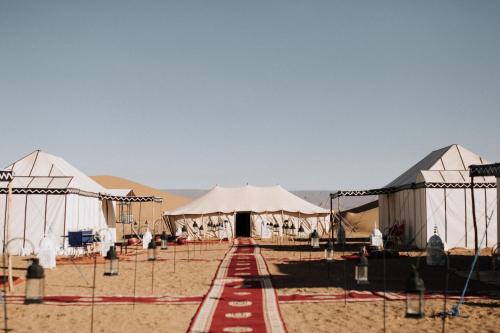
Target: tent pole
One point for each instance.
(474, 221)
(331, 218)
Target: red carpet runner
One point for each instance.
(242, 298)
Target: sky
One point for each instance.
(311, 95)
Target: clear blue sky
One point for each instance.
(189, 94)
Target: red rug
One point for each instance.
(114, 300)
(241, 298)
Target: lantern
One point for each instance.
(361, 270)
(276, 227)
(376, 239)
(152, 250)
(301, 231)
(210, 226)
(164, 241)
(414, 295)
(292, 230)
(435, 250)
(184, 231)
(201, 229)
(285, 227)
(111, 262)
(195, 228)
(315, 239)
(35, 283)
(329, 252)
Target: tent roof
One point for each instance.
(42, 164)
(446, 165)
(248, 199)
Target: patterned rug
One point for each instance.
(241, 298)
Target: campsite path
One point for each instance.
(242, 298)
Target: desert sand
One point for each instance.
(292, 273)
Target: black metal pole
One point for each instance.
(93, 296)
(331, 217)
(445, 312)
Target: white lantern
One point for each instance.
(376, 239)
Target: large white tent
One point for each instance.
(435, 193)
(248, 209)
(48, 198)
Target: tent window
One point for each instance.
(243, 225)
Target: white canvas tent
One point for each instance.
(50, 197)
(263, 205)
(435, 192)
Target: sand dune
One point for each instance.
(170, 201)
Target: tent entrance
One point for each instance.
(243, 225)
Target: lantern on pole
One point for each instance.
(35, 283)
(152, 250)
(111, 262)
(164, 241)
(361, 270)
(301, 231)
(201, 229)
(285, 227)
(276, 227)
(293, 230)
(184, 231)
(329, 252)
(195, 228)
(315, 239)
(415, 289)
(436, 255)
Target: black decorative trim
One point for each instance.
(485, 170)
(65, 191)
(129, 199)
(6, 176)
(390, 190)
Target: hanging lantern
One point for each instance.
(152, 250)
(111, 262)
(341, 234)
(35, 283)
(293, 230)
(315, 239)
(285, 227)
(276, 227)
(164, 241)
(201, 229)
(414, 295)
(210, 226)
(361, 270)
(301, 232)
(329, 252)
(195, 228)
(435, 250)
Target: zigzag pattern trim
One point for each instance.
(129, 199)
(390, 190)
(485, 170)
(6, 176)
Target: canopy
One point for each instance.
(248, 199)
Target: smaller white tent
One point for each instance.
(252, 205)
(49, 198)
(43, 196)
